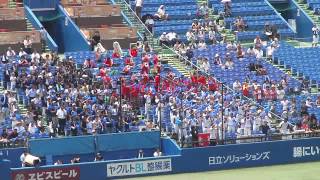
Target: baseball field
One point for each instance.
(302, 171)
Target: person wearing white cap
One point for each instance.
(163, 39)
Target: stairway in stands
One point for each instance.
(166, 54)
(22, 109)
(303, 5)
(227, 32)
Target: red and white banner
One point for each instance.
(66, 173)
(204, 139)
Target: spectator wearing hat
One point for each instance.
(163, 39)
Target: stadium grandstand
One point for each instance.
(131, 88)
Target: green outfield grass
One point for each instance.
(302, 171)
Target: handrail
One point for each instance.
(186, 60)
(279, 15)
(207, 74)
(37, 24)
(146, 30)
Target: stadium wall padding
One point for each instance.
(92, 144)
(37, 25)
(13, 155)
(202, 159)
(128, 141)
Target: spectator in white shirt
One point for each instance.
(13, 82)
(140, 154)
(258, 53)
(10, 53)
(22, 52)
(191, 38)
(27, 43)
(270, 50)
(35, 57)
(161, 13)
(251, 52)
(202, 45)
(163, 39)
(157, 153)
(139, 4)
(61, 115)
(172, 38)
(284, 127)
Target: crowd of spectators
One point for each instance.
(64, 98)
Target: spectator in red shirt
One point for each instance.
(108, 62)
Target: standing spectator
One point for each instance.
(61, 115)
(138, 9)
(95, 39)
(27, 43)
(315, 35)
(149, 23)
(140, 154)
(43, 39)
(10, 53)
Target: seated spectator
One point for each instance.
(258, 53)
(10, 53)
(275, 43)
(217, 60)
(163, 39)
(117, 51)
(161, 14)
(35, 57)
(267, 30)
(23, 61)
(202, 45)
(240, 53)
(203, 11)
(229, 63)
(98, 157)
(157, 153)
(205, 65)
(172, 38)
(257, 42)
(201, 35)
(191, 37)
(22, 52)
(240, 24)
(212, 36)
(251, 52)
(231, 46)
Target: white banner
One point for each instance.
(139, 167)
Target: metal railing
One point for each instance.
(136, 18)
(249, 139)
(186, 62)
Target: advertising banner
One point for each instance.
(139, 167)
(62, 173)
